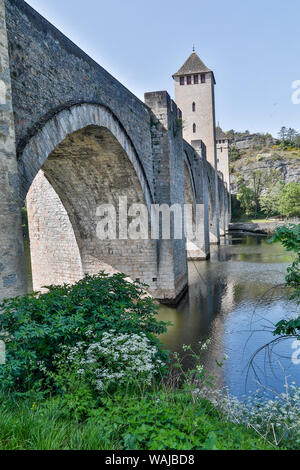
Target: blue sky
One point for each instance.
(252, 46)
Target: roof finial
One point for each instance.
(193, 47)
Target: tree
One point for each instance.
(256, 190)
(269, 200)
(289, 200)
(234, 153)
(283, 133)
(259, 181)
(245, 197)
(291, 134)
(297, 141)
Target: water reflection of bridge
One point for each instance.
(228, 296)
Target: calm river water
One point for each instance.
(232, 301)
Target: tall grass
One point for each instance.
(158, 420)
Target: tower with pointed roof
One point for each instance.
(194, 95)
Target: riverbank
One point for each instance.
(257, 228)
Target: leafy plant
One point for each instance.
(169, 420)
(36, 327)
(289, 236)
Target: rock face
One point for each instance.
(260, 228)
(288, 166)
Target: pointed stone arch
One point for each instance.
(80, 159)
(65, 123)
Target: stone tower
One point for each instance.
(194, 95)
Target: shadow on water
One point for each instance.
(233, 302)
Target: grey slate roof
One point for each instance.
(192, 65)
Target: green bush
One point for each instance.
(37, 327)
(289, 237)
(289, 200)
(234, 154)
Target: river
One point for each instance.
(232, 301)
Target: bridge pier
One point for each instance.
(12, 260)
(167, 150)
(222, 205)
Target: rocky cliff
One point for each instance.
(248, 157)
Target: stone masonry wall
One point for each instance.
(12, 263)
(167, 146)
(52, 240)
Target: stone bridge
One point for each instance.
(72, 138)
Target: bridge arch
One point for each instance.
(197, 247)
(189, 181)
(65, 123)
(80, 159)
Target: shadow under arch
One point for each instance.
(88, 160)
(197, 239)
(212, 206)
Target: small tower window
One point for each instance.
(194, 107)
(203, 78)
(194, 128)
(189, 80)
(181, 80)
(196, 79)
